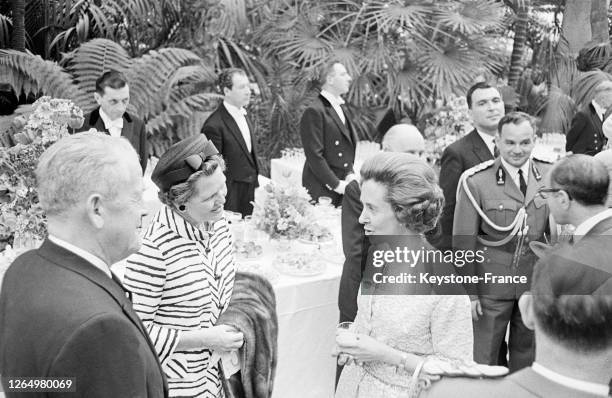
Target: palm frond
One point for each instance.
(584, 86)
(471, 16)
(5, 31)
(449, 68)
(230, 18)
(556, 112)
(89, 61)
(149, 76)
(31, 74)
(391, 15)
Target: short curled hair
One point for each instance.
(580, 321)
(583, 177)
(180, 193)
(112, 79)
(412, 188)
(78, 165)
(226, 77)
(516, 118)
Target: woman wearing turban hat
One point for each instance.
(182, 278)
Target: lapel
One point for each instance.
(510, 187)
(595, 121)
(330, 111)
(480, 149)
(542, 387)
(233, 128)
(96, 122)
(68, 260)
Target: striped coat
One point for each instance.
(176, 285)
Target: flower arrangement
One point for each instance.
(20, 212)
(283, 211)
(447, 124)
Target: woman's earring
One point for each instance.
(182, 207)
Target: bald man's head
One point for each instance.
(404, 138)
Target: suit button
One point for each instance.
(340, 155)
(501, 207)
(345, 164)
(337, 143)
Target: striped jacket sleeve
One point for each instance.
(145, 277)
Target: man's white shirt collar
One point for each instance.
(569, 382)
(589, 223)
(234, 110)
(336, 103)
(600, 110)
(94, 260)
(513, 171)
(114, 127)
(489, 141)
(333, 99)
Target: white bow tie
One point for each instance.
(242, 111)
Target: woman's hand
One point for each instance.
(360, 347)
(222, 338)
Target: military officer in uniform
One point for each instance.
(499, 212)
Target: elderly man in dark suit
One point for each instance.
(232, 133)
(586, 135)
(486, 108)
(63, 314)
(570, 310)
(576, 192)
(328, 137)
(113, 97)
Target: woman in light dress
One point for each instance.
(394, 333)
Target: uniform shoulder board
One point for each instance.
(545, 159)
(479, 167)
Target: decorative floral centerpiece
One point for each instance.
(20, 212)
(283, 211)
(447, 124)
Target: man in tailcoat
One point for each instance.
(63, 314)
(499, 212)
(486, 108)
(113, 97)
(233, 134)
(328, 138)
(586, 135)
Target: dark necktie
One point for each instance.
(495, 150)
(522, 183)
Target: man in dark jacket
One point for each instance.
(229, 128)
(63, 314)
(113, 97)
(328, 138)
(486, 108)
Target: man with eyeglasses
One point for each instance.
(576, 192)
(499, 213)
